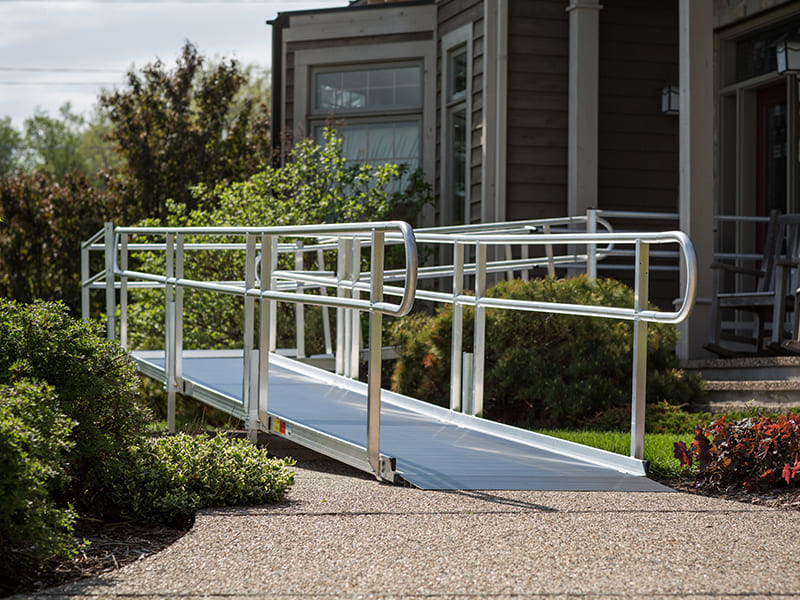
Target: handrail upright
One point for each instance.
(111, 304)
(374, 365)
(266, 330)
(456, 374)
(478, 349)
(250, 373)
(169, 342)
(641, 291)
(123, 292)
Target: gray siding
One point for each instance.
(638, 145)
(538, 64)
(452, 14)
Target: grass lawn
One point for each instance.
(658, 447)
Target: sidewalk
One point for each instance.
(342, 534)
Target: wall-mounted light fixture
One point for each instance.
(670, 100)
(788, 53)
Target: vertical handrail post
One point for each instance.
(456, 375)
(375, 344)
(355, 315)
(84, 281)
(111, 303)
(179, 261)
(326, 317)
(273, 304)
(299, 314)
(551, 267)
(269, 249)
(343, 322)
(591, 249)
(123, 291)
(639, 391)
(479, 350)
(250, 404)
(169, 343)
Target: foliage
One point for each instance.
(175, 129)
(758, 453)
(93, 379)
(34, 445)
(543, 369)
(658, 447)
(10, 147)
(43, 224)
(165, 480)
(317, 185)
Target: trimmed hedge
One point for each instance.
(165, 480)
(93, 380)
(34, 445)
(543, 369)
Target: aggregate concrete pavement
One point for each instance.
(342, 534)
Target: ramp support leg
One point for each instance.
(374, 377)
(639, 392)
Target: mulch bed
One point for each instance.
(112, 545)
(116, 544)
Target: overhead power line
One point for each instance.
(57, 69)
(59, 83)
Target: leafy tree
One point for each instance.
(53, 145)
(43, 224)
(175, 129)
(316, 185)
(10, 146)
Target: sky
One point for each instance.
(52, 52)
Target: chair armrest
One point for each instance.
(737, 269)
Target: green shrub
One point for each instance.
(34, 444)
(93, 379)
(758, 453)
(316, 185)
(43, 224)
(544, 369)
(167, 479)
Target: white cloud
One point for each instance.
(118, 35)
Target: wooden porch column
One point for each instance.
(696, 139)
(584, 37)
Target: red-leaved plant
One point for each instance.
(758, 453)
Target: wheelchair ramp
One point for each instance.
(433, 447)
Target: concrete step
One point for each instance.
(771, 383)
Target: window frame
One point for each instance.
(452, 44)
(354, 67)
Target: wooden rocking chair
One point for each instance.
(769, 300)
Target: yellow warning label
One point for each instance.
(279, 426)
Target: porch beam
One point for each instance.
(584, 42)
(696, 148)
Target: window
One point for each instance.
(457, 135)
(380, 143)
(368, 89)
(377, 112)
(455, 132)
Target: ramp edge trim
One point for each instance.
(594, 456)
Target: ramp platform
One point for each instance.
(433, 448)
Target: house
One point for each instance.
(520, 109)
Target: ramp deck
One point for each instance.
(434, 448)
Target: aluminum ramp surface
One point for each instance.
(434, 448)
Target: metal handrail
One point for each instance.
(471, 393)
(269, 285)
(261, 289)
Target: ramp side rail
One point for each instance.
(468, 395)
(261, 282)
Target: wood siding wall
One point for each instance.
(452, 14)
(638, 146)
(538, 90)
